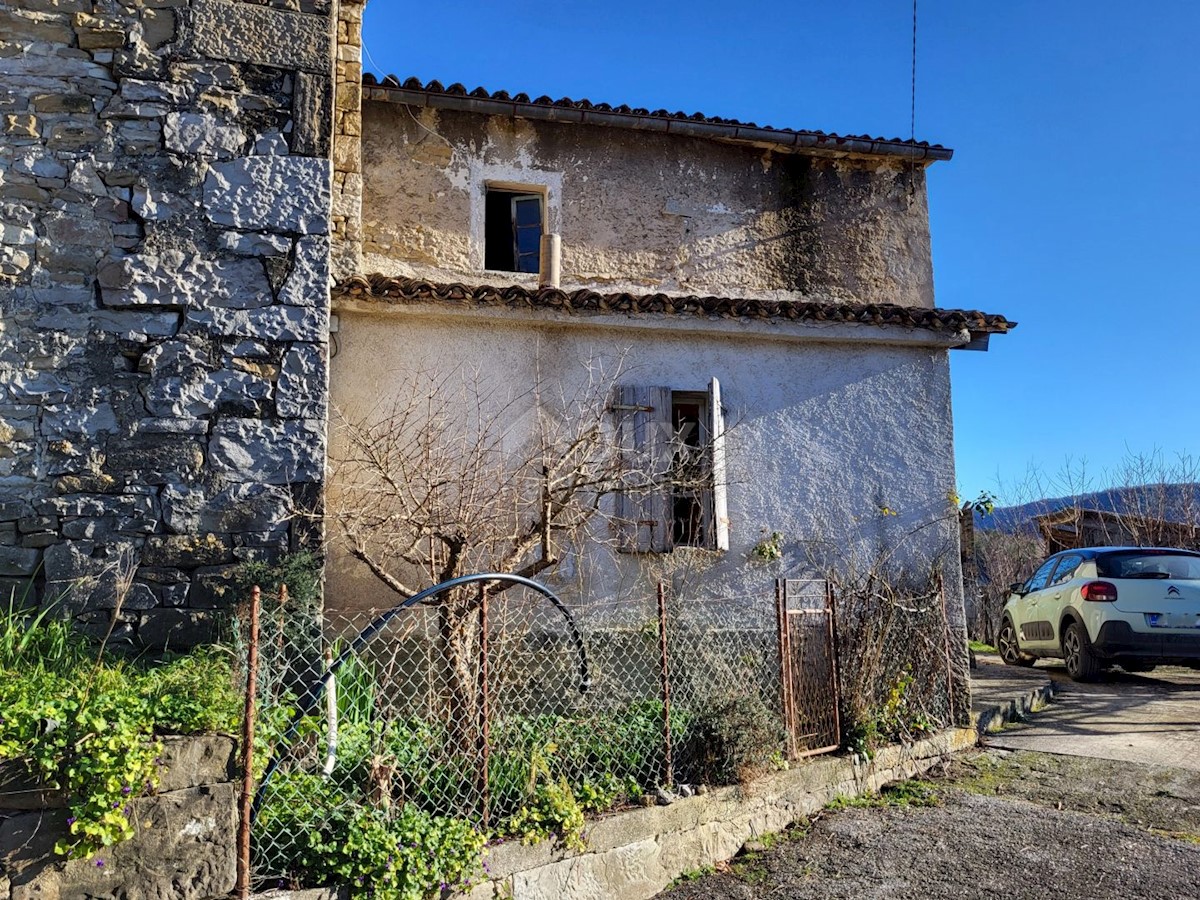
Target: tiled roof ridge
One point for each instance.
(830, 140)
(414, 290)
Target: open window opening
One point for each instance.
(513, 224)
(691, 489)
(673, 462)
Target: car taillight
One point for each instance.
(1103, 591)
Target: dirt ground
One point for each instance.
(995, 823)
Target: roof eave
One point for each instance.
(794, 141)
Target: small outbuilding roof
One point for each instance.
(584, 112)
(411, 290)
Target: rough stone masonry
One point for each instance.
(166, 192)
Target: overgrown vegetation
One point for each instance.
(907, 671)
(86, 724)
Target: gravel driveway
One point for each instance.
(984, 845)
(1015, 823)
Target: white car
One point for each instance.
(1135, 607)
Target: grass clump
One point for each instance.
(902, 794)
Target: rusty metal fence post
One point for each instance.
(785, 668)
(664, 663)
(242, 886)
(484, 710)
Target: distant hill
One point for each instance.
(1173, 502)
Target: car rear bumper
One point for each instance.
(1117, 639)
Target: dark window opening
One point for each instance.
(512, 225)
(691, 493)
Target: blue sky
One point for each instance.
(1072, 204)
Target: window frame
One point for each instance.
(646, 519)
(520, 192)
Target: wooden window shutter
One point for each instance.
(719, 496)
(643, 511)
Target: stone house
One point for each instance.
(777, 280)
(185, 185)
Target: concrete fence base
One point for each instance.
(634, 855)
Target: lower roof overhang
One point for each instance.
(784, 320)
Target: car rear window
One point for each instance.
(1142, 564)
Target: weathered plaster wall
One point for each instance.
(826, 429)
(644, 212)
(165, 193)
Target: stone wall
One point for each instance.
(184, 847)
(165, 207)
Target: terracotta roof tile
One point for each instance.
(411, 290)
(433, 93)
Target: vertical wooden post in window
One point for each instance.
(719, 495)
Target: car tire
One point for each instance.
(1082, 663)
(1010, 649)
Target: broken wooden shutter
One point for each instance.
(643, 511)
(720, 500)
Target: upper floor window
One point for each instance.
(513, 225)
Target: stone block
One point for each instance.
(156, 459)
(22, 125)
(18, 562)
(73, 421)
(39, 540)
(202, 135)
(99, 32)
(307, 284)
(158, 27)
(68, 102)
(213, 588)
(275, 193)
(180, 280)
(177, 629)
(272, 323)
(185, 849)
(195, 761)
(239, 508)
(269, 453)
(200, 394)
(241, 32)
(302, 390)
(186, 550)
(73, 135)
(311, 113)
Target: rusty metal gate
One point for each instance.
(808, 666)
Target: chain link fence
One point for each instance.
(903, 668)
(463, 708)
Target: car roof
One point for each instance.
(1093, 552)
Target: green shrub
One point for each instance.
(393, 855)
(551, 812)
(87, 726)
(734, 740)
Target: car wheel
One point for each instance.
(1010, 650)
(1082, 663)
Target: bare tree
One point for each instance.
(459, 474)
